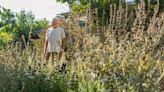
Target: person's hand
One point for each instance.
(62, 50)
(45, 52)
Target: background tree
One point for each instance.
(7, 24)
(98, 9)
(15, 25)
(7, 19)
(150, 4)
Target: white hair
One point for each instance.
(54, 19)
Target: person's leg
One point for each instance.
(54, 58)
(63, 66)
(60, 55)
(47, 56)
(51, 56)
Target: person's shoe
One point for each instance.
(63, 68)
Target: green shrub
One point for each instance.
(5, 38)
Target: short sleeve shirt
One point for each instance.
(54, 38)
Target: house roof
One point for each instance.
(64, 14)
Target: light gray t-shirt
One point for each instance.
(54, 37)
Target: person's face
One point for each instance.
(55, 23)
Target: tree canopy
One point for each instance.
(14, 25)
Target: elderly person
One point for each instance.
(54, 40)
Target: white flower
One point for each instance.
(93, 75)
(104, 78)
(30, 77)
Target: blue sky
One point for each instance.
(41, 8)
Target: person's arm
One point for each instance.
(63, 40)
(45, 46)
(46, 43)
(63, 43)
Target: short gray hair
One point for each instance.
(54, 19)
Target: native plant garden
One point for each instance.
(119, 50)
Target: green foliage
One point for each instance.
(20, 24)
(25, 76)
(103, 7)
(161, 2)
(124, 62)
(91, 70)
(24, 22)
(152, 5)
(7, 20)
(78, 8)
(5, 38)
